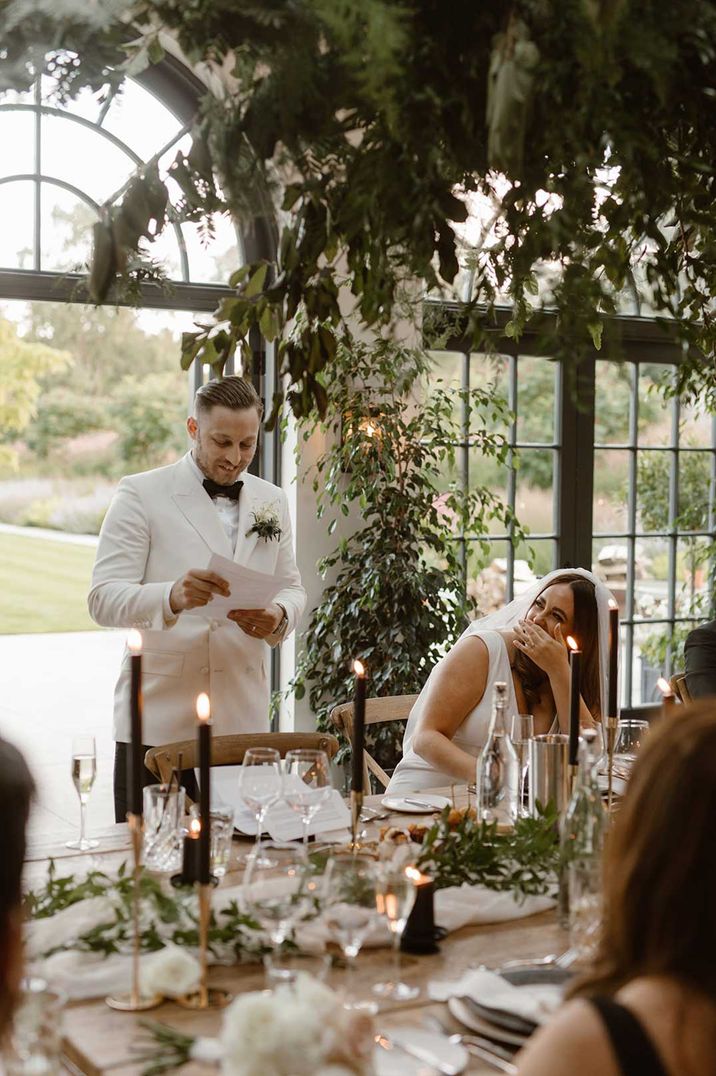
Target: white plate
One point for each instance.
(402, 806)
(470, 1019)
(397, 1063)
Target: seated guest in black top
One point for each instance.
(647, 1005)
(16, 790)
(700, 655)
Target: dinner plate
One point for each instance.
(466, 1016)
(397, 1063)
(410, 804)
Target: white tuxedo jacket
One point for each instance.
(158, 526)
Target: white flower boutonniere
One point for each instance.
(266, 523)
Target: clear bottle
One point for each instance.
(584, 824)
(498, 768)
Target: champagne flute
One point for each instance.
(350, 885)
(306, 783)
(523, 730)
(84, 770)
(260, 787)
(395, 898)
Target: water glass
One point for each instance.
(306, 783)
(260, 787)
(163, 814)
(522, 731)
(35, 1041)
(288, 896)
(350, 886)
(222, 833)
(283, 968)
(395, 897)
(84, 771)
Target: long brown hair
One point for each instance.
(16, 791)
(660, 863)
(586, 630)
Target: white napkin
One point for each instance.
(536, 1002)
(459, 906)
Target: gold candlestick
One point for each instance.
(204, 998)
(356, 808)
(612, 723)
(134, 1002)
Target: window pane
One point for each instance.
(651, 571)
(653, 471)
(655, 414)
(533, 559)
(692, 578)
(17, 136)
(695, 469)
(534, 491)
(86, 104)
(17, 208)
(612, 402)
(66, 231)
(140, 120)
(485, 471)
(213, 258)
(651, 643)
(610, 510)
(487, 584)
(697, 428)
(489, 373)
(447, 365)
(83, 157)
(535, 399)
(609, 562)
(165, 250)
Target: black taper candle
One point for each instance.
(612, 706)
(574, 668)
(203, 712)
(136, 761)
(358, 744)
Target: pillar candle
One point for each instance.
(419, 933)
(358, 744)
(190, 859)
(136, 760)
(613, 705)
(575, 655)
(203, 713)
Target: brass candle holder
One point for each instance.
(356, 808)
(204, 997)
(612, 724)
(133, 1001)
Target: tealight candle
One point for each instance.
(190, 860)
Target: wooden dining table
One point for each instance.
(99, 1040)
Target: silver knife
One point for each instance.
(421, 803)
(421, 1053)
(492, 1058)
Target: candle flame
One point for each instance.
(664, 686)
(195, 826)
(203, 707)
(134, 641)
(413, 874)
(613, 604)
(358, 668)
(572, 643)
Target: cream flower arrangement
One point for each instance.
(171, 972)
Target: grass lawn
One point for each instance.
(43, 585)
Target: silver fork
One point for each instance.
(489, 1051)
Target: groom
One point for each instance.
(159, 532)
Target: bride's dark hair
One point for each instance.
(586, 630)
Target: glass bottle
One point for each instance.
(498, 768)
(585, 821)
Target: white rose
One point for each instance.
(247, 1036)
(171, 971)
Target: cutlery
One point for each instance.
(491, 1057)
(497, 1056)
(500, 1017)
(563, 960)
(370, 814)
(420, 803)
(420, 1053)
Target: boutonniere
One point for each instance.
(266, 523)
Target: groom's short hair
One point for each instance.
(236, 393)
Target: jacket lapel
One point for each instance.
(248, 502)
(193, 501)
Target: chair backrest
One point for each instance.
(230, 750)
(377, 711)
(680, 688)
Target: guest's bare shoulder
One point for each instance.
(574, 1041)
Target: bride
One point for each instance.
(523, 644)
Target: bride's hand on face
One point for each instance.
(547, 651)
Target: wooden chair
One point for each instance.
(230, 750)
(377, 711)
(680, 688)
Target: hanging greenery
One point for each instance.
(582, 130)
(395, 587)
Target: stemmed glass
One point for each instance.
(84, 771)
(306, 783)
(523, 730)
(350, 887)
(395, 897)
(289, 895)
(260, 787)
(630, 736)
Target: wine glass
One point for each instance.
(260, 787)
(289, 895)
(350, 886)
(522, 731)
(395, 897)
(630, 736)
(84, 771)
(306, 783)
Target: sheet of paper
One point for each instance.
(249, 589)
(282, 823)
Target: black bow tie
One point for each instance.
(214, 489)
